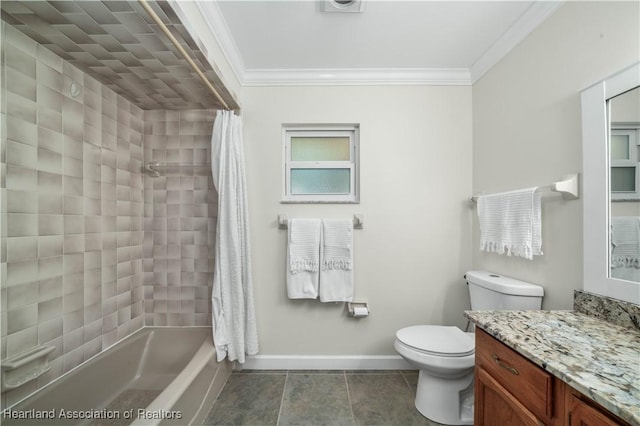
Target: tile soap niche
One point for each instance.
(22, 368)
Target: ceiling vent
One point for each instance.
(343, 5)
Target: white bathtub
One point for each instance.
(158, 375)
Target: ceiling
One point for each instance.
(119, 44)
(276, 42)
(451, 42)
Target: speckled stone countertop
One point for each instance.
(597, 358)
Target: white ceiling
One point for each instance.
(392, 41)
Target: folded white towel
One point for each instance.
(510, 223)
(303, 258)
(336, 275)
(625, 242)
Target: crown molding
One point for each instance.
(221, 32)
(537, 13)
(363, 77)
(533, 16)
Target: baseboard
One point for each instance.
(326, 362)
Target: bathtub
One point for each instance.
(156, 376)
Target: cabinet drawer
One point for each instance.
(530, 384)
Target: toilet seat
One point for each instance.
(437, 340)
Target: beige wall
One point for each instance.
(527, 128)
(415, 145)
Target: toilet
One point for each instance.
(445, 355)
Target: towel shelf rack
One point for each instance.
(283, 221)
(567, 186)
(157, 169)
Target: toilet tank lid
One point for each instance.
(502, 284)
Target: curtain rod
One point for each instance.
(183, 52)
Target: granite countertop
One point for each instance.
(597, 358)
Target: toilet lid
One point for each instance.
(437, 339)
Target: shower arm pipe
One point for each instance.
(156, 169)
(183, 52)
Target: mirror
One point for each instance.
(601, 201)
(624, 185)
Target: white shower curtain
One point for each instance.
(234, 322)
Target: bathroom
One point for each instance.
(424, 149)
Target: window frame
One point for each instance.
(352, 131)
(632, 132)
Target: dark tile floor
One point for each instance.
(332, 398)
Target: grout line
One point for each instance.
(409, 385)
(346, 382)
(404, 377)
(284, 389)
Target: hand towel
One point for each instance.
(303, 258)
(625, 242)
(510, 223)
(336, 274)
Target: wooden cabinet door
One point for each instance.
(527, 382)
(496, 406)
(582, 414)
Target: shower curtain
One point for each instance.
(234, 323)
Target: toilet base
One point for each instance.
(444, 400)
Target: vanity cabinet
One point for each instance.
(496, 406)
(584, 412)
(511, 390)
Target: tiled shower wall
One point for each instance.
(180, 219)
(83, 229)
(72, 211)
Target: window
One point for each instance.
(625, 155)
(320, 163)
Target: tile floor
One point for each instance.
(333, 398)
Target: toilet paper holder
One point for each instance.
(358, 309)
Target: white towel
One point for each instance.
(625, 242)
(303, 258)
(510, 223)
(336, 275)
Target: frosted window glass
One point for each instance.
(320, 149)
(320, 181)
(623, 179)
(619, 147)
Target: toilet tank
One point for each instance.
(489, 291)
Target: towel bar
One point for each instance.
(568, 187)
(358, 221)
